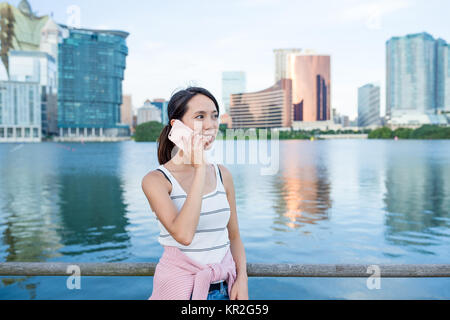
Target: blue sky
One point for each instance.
(173, 44)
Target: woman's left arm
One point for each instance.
(239, 291)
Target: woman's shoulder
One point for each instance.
(227, 178)
(156, 177)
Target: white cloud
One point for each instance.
(372, 12)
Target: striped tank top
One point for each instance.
(210, 242)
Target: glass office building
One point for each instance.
(411, 74)
(91, 66)
(369, 105)
(311, 86)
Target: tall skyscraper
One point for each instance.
(232, 82)
(282, 70)
(91, 66)
(368, 105)
(311, 93)
(443, 76)
(411, 75)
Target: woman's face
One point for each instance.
(202, 116)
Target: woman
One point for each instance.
(194, 201)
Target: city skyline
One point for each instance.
(351, 32)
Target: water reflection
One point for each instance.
(92, 214)
(29, 205)
(417, 200)
(303, 186)
(29, 219)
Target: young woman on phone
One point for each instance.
(194, 201)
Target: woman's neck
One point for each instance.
(179, 164)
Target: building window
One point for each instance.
(15, 106)
(31, 104)
(9, 132)
(27, 132)
(35, 133)
(19, 132)
(2, 132)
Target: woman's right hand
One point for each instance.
(193, 152)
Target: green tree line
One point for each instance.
(424, 132)
(150, 131)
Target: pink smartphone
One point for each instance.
(180, 130)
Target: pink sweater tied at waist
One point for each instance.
(177, 276)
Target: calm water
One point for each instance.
(341, 201)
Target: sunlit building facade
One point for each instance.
(311, 87)
(269, 108)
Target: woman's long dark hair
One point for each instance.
(176, 110)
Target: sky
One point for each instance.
(174, 43)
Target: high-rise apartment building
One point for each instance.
(411, 75)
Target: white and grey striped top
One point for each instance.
(210, 243)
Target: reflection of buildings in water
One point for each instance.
(29, 208)
(416, 201)
(304, 190)
(93, 213)
(29, 203)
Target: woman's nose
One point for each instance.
(209, 124)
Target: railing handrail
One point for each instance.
(253, 270)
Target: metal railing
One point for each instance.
(253, 270)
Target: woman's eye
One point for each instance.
(198, 116)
